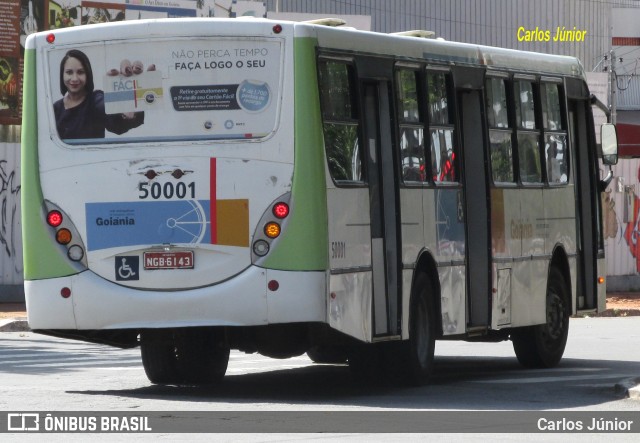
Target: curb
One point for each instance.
(629, 388)
(610, 313)
(14, 325)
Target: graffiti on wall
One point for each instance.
(631, 232)
(621, 220)
(9, 217)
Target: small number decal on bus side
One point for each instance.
(167, 190)
(338, 249)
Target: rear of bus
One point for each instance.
(194, 218)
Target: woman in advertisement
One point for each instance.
(80, 113)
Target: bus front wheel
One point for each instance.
(542, 346)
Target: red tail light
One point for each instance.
(281, 210)
(273, 285)
(54, 218)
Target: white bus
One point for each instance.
(193, 186)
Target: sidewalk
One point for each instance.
(13, 317)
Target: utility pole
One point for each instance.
(613, 87)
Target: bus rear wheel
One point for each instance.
(409, 361)
(420, 348)
(189, 356)
(327, 354)
(542, 346)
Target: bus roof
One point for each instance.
(448, 52)
(330, 37)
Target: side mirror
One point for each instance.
(609, 139)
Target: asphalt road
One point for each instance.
(39, 373)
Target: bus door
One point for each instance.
(383, 197)
(587, 219)
(474, 164)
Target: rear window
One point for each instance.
(198, 89)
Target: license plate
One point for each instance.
(168, 260)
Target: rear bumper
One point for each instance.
(97, 304)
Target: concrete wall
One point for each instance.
(10, 226)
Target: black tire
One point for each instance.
(327, 354)
(202, 359)
(420, 349)
(410, 361)
(185, 356)
(159, 359)
(542, 346)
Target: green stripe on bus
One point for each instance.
(303, 245)
(42, 257)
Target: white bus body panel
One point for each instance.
(427, 228)
(83, 191)
(527, 225)
(452, 299)
(249, 174)
(350, 283)
(350, 308)
(242, 301)
(446, 238)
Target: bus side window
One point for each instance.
(444, 160)
(527, 133)
(411, 128)
(555, 134)
(340, 122)
(500, 133)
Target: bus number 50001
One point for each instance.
(167, 190)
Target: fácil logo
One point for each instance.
(132, 94)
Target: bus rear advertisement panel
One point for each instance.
(188, 89)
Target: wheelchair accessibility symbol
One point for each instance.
(127, 268)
